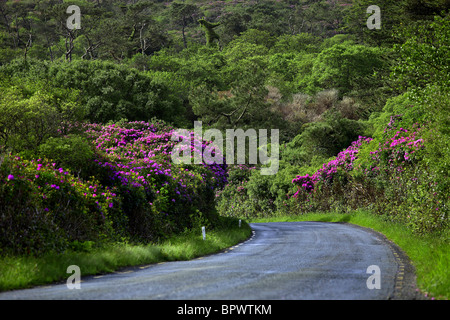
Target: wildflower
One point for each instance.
(10, 177)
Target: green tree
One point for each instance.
(27, 122)
(301, 42)
(347, 67)
(183, 14)
(210, 34)
(112, 92)
(392, 16)
(424, 58)
(233, 24)
(268, 16)
(241, 107)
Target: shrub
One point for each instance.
(26, 122)
(45, 207)
(72, 152)
(137, 193)
(391, 178)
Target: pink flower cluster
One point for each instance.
(392, 154)
(50, 183)
(344, 160)
(139, 155)
(400, 147)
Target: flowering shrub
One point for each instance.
(408, 190)
(135, 191)
(331, 170)
(138, 157)
(45, 207)
(391, 179)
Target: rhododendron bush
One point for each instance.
(135, 192)
(390, 178)
(387, 174)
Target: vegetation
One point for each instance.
(88, 116)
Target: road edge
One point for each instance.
(405, 287)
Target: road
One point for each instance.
(283, 260)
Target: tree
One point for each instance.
(243, 106)
(424, 58)
(393, 16)
(149, 34)
(19, 24)
(208, 27)
(233, 24)
(26, 122)
(346, 67)
(269, 16)
(183, 14)
(111, 92)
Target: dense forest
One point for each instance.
(89, 108)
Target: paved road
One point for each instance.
(285, 260)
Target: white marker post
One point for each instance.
(203, 232)
(239, 223)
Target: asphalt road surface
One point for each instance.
(283, 260)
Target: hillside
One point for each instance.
(88, 116)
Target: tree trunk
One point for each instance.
(182, 30)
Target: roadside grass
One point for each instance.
(429, 254)
(27, 271)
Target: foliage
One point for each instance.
(138, 193)
(72, 152)
(83, 99)
(425, 54)
(345, 67)
(45, 208)
(209, 32)
(106, 91)
(28, 119)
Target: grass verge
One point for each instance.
(430, 254)
(27, 271)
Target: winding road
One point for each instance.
(282, 260)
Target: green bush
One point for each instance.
(28, 120)
(112, 92)
(107, 91)
(72, 152)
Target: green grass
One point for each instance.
(26, 271)
(430, 254)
